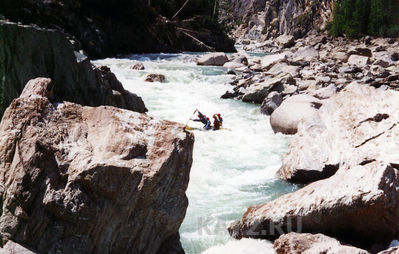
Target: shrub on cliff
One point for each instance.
(375, 17)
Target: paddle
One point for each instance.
(185, 127)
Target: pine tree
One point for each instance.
(357, 17)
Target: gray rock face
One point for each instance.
(293, 111)
(359, 205)
(216, 59)
(270, 103)
(356, 120)
(80, 179)
(294, 243)
(295, 18)
(29, 52)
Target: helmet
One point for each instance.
(218, 115)
(207, 118)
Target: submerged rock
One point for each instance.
(90, 179)
(294, 243)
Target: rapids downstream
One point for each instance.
(231, 169)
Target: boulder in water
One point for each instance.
(90, 179)
(155, 78)
(233, 65)
(215, 59)
(137, 66)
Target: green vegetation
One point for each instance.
(353, 18)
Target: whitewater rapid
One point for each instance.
(231, 169)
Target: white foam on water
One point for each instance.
(231, 169)
(243, 246)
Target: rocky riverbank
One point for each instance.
(338, 98)
(78, 179)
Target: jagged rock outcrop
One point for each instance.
(108, 28)
(349, 126)
(28, 52)
(291, 17)
(80, 179)
(294, 243)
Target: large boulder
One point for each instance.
(295, 243)
(137, 66)
(155, 78)
(286, 41)
(294, 110)
(305, 54)
(270, 103)
(28, 52)
(216, 59)
(80, 179)
(357, 120)
(282, 67)
(258, 92)
(358, 61)
(270, 60)
(358, 205)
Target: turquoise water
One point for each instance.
(231, 169)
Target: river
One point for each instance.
(231, 169)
